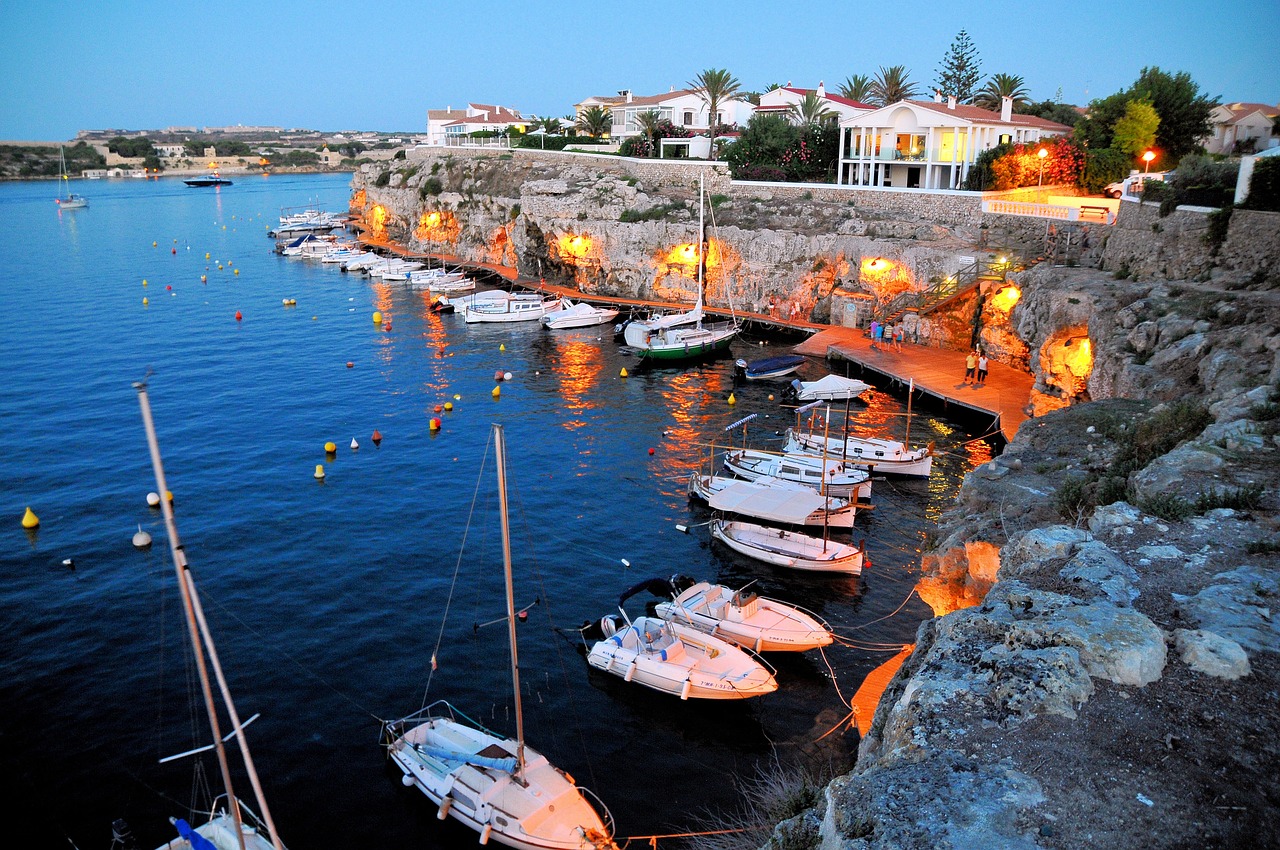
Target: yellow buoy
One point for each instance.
(623, 373)
(502, 347)
(153, 244)
(457, 397)
(497, 391)
(330, 447)
(237, 271)
(144, 281)
(319, 471)
(732, 400)
(377, 317)
(30, 520)
(206, 255)
(145, 302)
(770, 396)
(448, 405)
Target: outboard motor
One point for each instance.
(792, 392)
(122, 836)
(681, 583)
(740, 369)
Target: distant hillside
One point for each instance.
(22, 161)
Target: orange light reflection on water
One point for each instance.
(579, 367)
(693, 397)
(435, 338)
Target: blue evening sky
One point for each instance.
(139, 64)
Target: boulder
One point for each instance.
(1211, 654)
(1238, 605)
(1095, 566)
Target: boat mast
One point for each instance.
(499, 446)
(906, 439)
(197, 629)
(826, 431)
(702, 238)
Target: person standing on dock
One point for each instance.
(875, 332)
(982, 369)
(970, 364)
(898, 333)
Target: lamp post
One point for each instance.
(1147, 157)
(1042, 153)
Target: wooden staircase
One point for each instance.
(951, 289)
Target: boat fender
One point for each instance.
(484, 833)
(684, 691)
(631, 670)
(407, 780)
(445, 804)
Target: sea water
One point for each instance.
(339, 603)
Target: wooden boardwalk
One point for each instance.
(937, 372)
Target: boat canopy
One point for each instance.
(832, 388)
(769, 503)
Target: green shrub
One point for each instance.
(1219, 221)
(1073, 499)
(1264, 185)
(651, 214)
(1167, 506)
(430, 186)
(1262, 547)
(382, 180)
(1241, 499)
(1104, 166)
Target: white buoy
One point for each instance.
(625, 562)
(506, 376)
(354, 444)
(142, 539)
(153, 499)
(683, 528)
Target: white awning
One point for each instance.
(768, 503)
(832, 388)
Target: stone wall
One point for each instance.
(1143, 245)
(1251, 253)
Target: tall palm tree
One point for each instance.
(595, 121)
(1001, 86)
(856, 87)
(811, 111)
(891, 85)
(715, 86)
(647, 121)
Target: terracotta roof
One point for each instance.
(985, 116)
(1240, 111)
(829, 96)
(654, 99)
(489, 118)
(436, 114)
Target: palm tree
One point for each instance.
(714, 86)
(1001, 86)
(595, 121)
(856, 87)
(647, 122)
(811, 111)
(552, 125)
(891, 85)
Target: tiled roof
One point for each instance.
(489, 118)
(829, 96)
(1240, 111)
(654, 99)
(985, 116)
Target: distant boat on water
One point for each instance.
(214, 179)
(70, 201)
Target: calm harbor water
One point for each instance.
(328, 599)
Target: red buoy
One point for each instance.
(238, 316)
(650, 451)
(497, 376)
(434, 424)
(173, 250)
(350, 365)
(170, 287)
(377, 436)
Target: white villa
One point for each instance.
(450, 123)
(920, 144)
(1251, 125)
(682, 107)
(781, 99)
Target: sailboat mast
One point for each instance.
(500, 450)
(826, 431)
(180, 568)
(906, 439)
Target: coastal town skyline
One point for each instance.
(285, 65)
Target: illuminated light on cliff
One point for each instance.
(573, 246)
(884, 277)
(1006, 298)
(263, 161)
(1066, 360)
(437, 226)
(686, 254)
(359, 200)
(376, 218)
(498, 248)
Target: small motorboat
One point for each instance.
(214, 179)
(769, 367)
(870, 453)
(789, 548)
(830, 388)
(836, 478)
(579, 315)
(739, 616)
(772, 500)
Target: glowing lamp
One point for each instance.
(1147, 157)
(1042, 153)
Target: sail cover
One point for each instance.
(768, 503)
(831, 388)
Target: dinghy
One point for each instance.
(770, 367)
(830, 388)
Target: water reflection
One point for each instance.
(688, 397)
(578, 372)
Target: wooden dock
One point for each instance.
(937, 372)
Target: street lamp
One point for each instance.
(1042, 153)
(1147, 157)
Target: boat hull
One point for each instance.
(885, 456)
(841, 514)
(788, 549)
(804, 469)
(749, 621)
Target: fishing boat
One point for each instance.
(829, 388)
(751, 621)
(789, 548)
(770, 367)
(772, 500)
(682, 336)
(805, 468)
(877, 454)
(230, 823)
(515, 307)
(69, 201)
(578, 315)
(676, 659)
(213, 179)
(497, 786)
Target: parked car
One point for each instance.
(1132, 185)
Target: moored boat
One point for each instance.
(871, 453)
(772, 500)
(214, 179)
(837, 478)
(789, 548)
(515, 307)
(770, 367)
(829, 388)
(578, 315)
(741, 617)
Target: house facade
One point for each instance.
(682, 107)
(918, 144)
(780, 100)
(448, 124)
(1242, 128)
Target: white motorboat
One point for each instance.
(399, 273)
(515, 307)
(829, 476)
(769, 367)
(754, 622)
(789, 548)
(578, 315)
(871, 453)
(677, 659)
(496, 785)
(829, 388)
(772, 500)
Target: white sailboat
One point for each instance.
(772, 500)
(498, 786)
(789, 548)
(70, 201)
(682, 336)
(578, 315)
(815, 472)
(231, 825)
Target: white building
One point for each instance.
(171, 151)
(444, 124)
(920, 144)
(780, 100)
(1250, 125)
(682, 107)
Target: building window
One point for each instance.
(688, 118)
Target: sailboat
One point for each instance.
(498, 786)
(682, 336)
(231, 825)
(871, 453)
(70, 201)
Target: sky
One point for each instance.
(379, 65)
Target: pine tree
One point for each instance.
(961, 69)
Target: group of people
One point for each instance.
(975, 368)
(887, 335)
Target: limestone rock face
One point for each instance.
(1238, 605)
